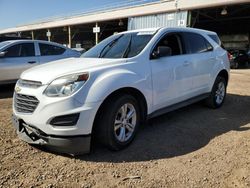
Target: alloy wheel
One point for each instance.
(125, 122)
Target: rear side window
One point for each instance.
(196, 43)
(21, 50)
(215, 38)
(47, 49)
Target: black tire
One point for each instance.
(236, 65)
(105, 126)
(211, 100)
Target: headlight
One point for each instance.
(66, 85)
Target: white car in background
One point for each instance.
(109, 92)
(17, 56)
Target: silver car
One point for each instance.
(18, 55)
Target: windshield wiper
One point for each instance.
(128, 48)
(109, 46)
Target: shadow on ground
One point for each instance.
(6, 91)
(180, 132)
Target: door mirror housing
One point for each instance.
(162, 51)
(2, 54)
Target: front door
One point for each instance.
(171, 74)
(17, 59)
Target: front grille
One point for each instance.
(25, 103)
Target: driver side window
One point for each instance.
(169, 45)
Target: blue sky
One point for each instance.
(18, 12)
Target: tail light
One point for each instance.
(230, 57)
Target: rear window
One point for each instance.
(48, 49)
(2, 44)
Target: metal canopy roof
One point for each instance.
(131, 11)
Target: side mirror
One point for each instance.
(162, 51)
(2, 54)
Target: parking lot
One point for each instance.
(191, 147)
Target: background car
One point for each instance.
(81, 50)
(19, 55)
(240, 58)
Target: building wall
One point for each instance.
(173, 19)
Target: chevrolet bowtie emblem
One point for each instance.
(17, 89)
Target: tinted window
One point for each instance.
(121, 46)
(173, 41)
(209, 46)
(137, 44)
(21, 50)
(47, 49)
(196, 43)
(242, 52)
(215, 38)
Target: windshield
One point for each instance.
(2, 44)
(120, 45)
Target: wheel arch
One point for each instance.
(125, 90)
(223, 73)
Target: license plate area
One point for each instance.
(16, 122)
(22, 127)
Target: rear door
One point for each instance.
(50, 52)
(200, 55)
(18, 58)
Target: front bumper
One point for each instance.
(67, 138)
(74, 145)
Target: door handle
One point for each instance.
(186, 63)
(31, 62)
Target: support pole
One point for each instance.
(96, 34)
(69, 33)
(189, 19)
(32, 35)
(49, 35)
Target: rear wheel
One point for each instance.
(118, 122)
(236, 65)
(218, 93)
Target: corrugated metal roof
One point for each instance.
(158, 7)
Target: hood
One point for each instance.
(48, 72)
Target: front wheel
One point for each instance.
(218, 93)
(118, 122)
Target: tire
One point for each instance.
(113, 129)
(236, 65)
(218, 93)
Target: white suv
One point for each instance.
(115, 86)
